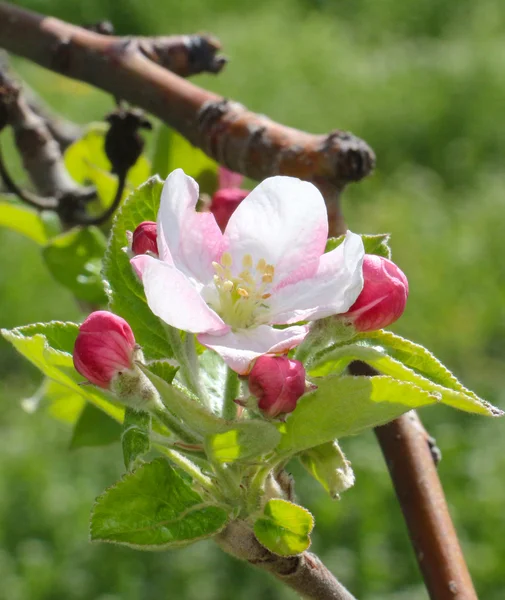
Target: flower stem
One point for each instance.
(191, 469)
(231, 390)
(174, 425)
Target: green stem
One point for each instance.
(191, 469)
(231, 390)
(174, 425)
(229, 483)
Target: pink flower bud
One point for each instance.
(229, 179)
(383, 297)
(278, 383)
(104, 346)
(144, 239)
(224, 202)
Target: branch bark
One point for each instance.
(407, 449)
(304, 573)
(243, 141)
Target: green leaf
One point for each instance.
(74, 259)
(328, 465)
(60, 402)
(163, 369)
(23, 220)
(49, 347)
(285, 528)
(94, 428)
(87, 162)
(186, 408)
(154, 508)
(343, 406)
(174, 152)
(135, 438)
(126, 294)
(334, 361)
(213, 378)
(243, 441)
(373, 244)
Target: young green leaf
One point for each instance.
(94, 428)
(59, 401)
(243, 441)
(213, 378)
(373, 244)
(49, 347)
(74, 259)
(135, 438)
(334, 361)
(23, 220)
(285, 527)
(154, 508)
(328, 465)
(126, 295)
(342, 406)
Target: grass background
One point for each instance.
(424, 84)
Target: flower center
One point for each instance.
(242, 298)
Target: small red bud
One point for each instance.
(105, 345)
(383, 297)
(224, 202)
(278, 382)
(144, 239)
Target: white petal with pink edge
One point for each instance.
(332, 290)
(173, 298)
(193, 239)
(240, 348)
(284, 221)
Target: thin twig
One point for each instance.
(243, 141)
(25, 195)
(406, 446)
(84, 219)
(304, 573)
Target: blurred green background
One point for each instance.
(424, 84)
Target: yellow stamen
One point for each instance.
(228, 285)
(242, 292)
(247, 261)
(262, 263)
(267, 278)
(226, 260)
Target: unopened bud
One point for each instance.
(104, 347)
(278, 382)
(224, 202)
(144, 239)
(383, 297)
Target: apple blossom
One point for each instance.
(383, 298)
(268, 268)
(278, 383)
(144, 239)
(104, 346)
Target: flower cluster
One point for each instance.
(246, 277)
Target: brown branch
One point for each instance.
(243, 141)
(304, 573)
(41, 156)
(407, 449)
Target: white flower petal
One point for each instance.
(171, 297)
(332, 290)
(284, 221)
(238, 349)
(193, 240)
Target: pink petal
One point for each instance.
(239, 348)
(192, 239)
(172, 297)
(229, 179)
(284, 221)
(332, 290)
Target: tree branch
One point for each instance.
(41, 157)
(243, 141)
(304, 573)
(407, 449)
